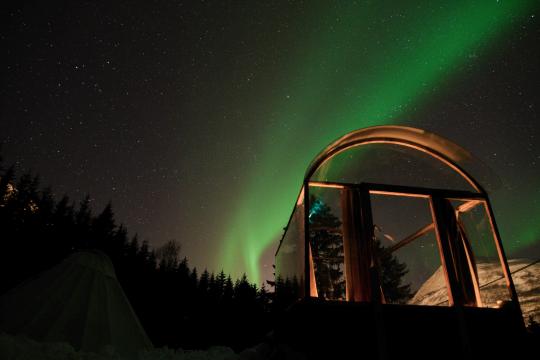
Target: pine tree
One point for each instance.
(194, 279)
(391, 272)
(152, 261)
(327, 250)
(83, 219)
(168, 255)
(133, 247)
(244, 292)
(63, 213)
(46, 205)
(214, 292)
(143, 255)
(183, 270)
(203, 282)
(119, 244)
(228, 290)
(220, 281)
(263, 298)
(102, 229)
(63, 226)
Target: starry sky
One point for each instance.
(197, 119)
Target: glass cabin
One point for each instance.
(390, 215)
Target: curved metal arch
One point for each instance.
(434, 145)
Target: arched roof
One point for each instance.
(444, 150)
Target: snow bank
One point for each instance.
(23, 348)
(20, 347)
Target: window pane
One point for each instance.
(475, 225)
(407, 251)
(326, 241)
(426, 275)
(290, 259)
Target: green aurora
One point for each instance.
(359, 67)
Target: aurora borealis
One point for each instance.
(421, 53)
(198, 119)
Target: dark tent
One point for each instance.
(79, 301)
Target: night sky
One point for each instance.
(198, 118)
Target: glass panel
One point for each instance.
(426, 276)
(407, 251)
(476, 228)
(526, 277)
(290, 258)
(326, 241)
(390, 164)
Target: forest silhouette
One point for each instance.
(178, 305)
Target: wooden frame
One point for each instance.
(436, 198)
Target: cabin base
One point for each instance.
(342, 330)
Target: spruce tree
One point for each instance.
(102, 229)
(391, 273)
(327, 250)
(203, 282)
(228, 290)
(220, 282)
(194, 279)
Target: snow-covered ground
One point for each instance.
(526, 281)
(22, 348)
(19, 347)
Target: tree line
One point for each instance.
(178, 305)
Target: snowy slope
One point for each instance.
(527, 282)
